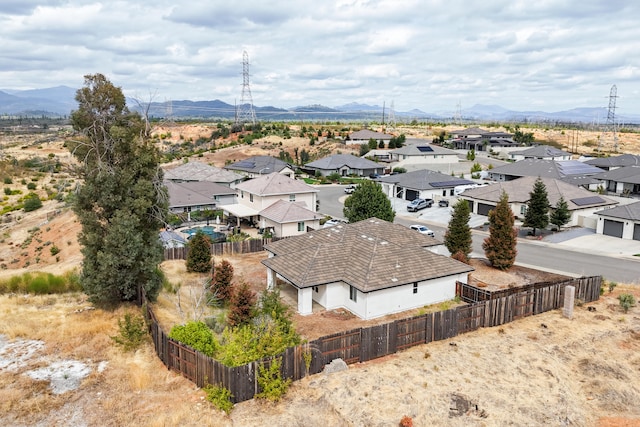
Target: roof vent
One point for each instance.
(384, 242)
(393, 279)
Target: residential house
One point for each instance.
(363, 136)
(423, 183)
(570, 171)
(257, 194)
(480, 140)
(615, 162)
(623, 181)
(544, 152)
(198, 171)
(582, 203)
(417, 153)
(284, 219)
(389, 269)
(621, 221)
(344, 165)
(189, 196)
(261, 165)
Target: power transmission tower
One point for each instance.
(610, 126)
(246, 113)
(457, 116)
(391, 118)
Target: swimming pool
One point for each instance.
(214, 235)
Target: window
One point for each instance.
(415, 288)
(251, 198)
(292, 197)
(353, 294)
(301, 226)
(242, 194)
(523, 209)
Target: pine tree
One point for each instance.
(121, 203)
(243, 305)
(368, 201)
(500, 246)
(537, 215)
(560, 215)
(457, 238)
(222, 278)
(199, 256)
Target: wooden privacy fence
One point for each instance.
(363, 344)
(221, 249)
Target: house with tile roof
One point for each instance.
(623, 181)
(570, 171)
(364, 135)
(582, 203)
(620, 221)
(255, 166)
(285, 219)
(190, 196)
(544, 152)
(615, 162)
(390, 269)
(344, 165)
(257, 194)
(198, 171)
(417, 153)
(422, 183)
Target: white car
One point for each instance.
(422, 229)
(332, 222)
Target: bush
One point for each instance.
(242, 305)
(197, 336)
(54, 250)
(8, 180)
(32, 202)
(270, 381)
(220, 397)
(199, 256)
(626, 301)
(31, 186)
(132, 332)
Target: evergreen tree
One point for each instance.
(121, 203)
(243, 306)
(199, 256)
(222, 278)
(500, 246)
(457, 238)
(560, 215)
(537, 215)
(368, 201)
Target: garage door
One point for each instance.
(636, 232)
(411, 194)
(612, 228)
(483, 209)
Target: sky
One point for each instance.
(432, 55)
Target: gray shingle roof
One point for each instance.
(366, 134)
(519, 192)
(198, 171)
(380, 255)
(424, 179)
(275, 184)
(567, 170)
(615, 161)
(626, 174)
(283, 211)
(337, 161)
(258, 164)
(195, 193)
(630, 212)
(541, 151)
(418, 147)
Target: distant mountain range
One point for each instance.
(59, 101)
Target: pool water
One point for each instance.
(214, 235)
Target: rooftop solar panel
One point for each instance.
(245, 164)
(584, 201)
(452, 183)
(425, 149)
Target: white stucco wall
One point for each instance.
(260, 203)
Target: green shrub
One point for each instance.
(7, 191)
(220, 397)
(31, 186)
(612, 286)
(626, 301)
(132, 332)
(270, 381)
(32, 202)
(38, 285)
(197, 336)
(54, 250)
(8, 180)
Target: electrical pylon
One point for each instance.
(246, 113)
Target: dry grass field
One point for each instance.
(543, 370)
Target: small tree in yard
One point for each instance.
(457, 238)
(243, 305)
(560, 215)
(537, 215)
(221, 283)
(368, 201)
(500, 246)
(199, 256)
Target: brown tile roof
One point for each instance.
(370, 255)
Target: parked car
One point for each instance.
(374, 176)
(350, 188)
(418, 204)
(443, 203)
(332, 222)
(422, 229)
